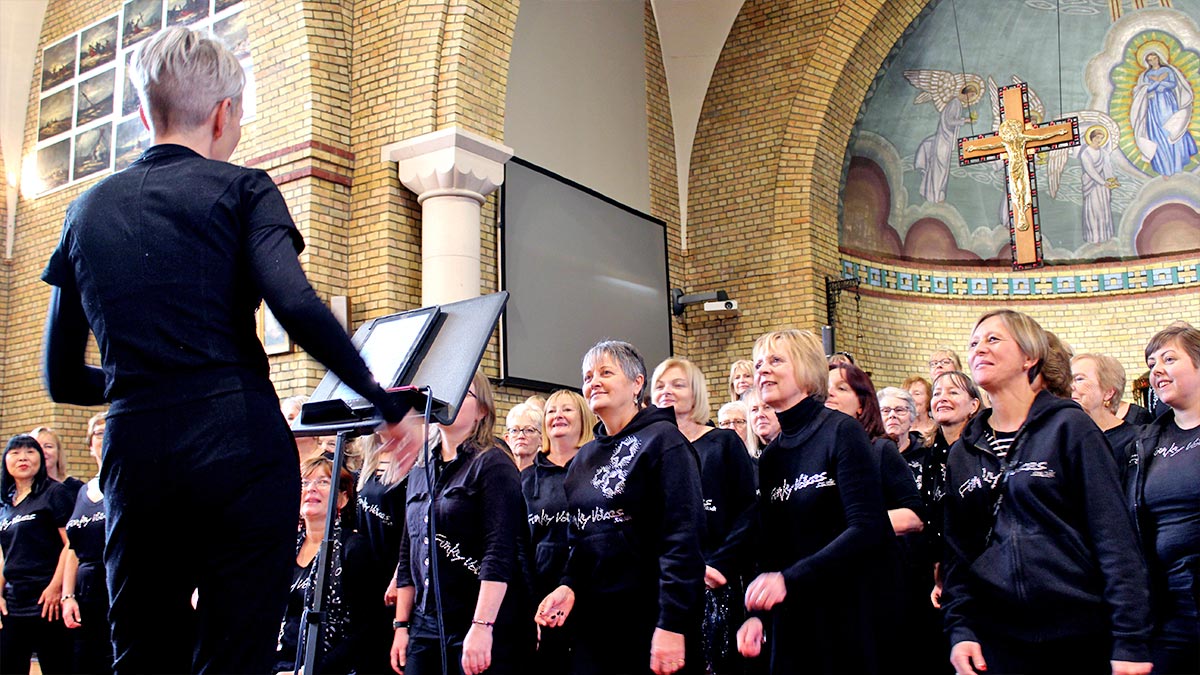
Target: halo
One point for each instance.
(976, 86)
(1156, 46)
(1087, 134)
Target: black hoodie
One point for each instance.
(1061, 560)
(549, 519)
(636, 525)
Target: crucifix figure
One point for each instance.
(1016, 142)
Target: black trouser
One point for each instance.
(1082, 655)
(201, 496)
(24, 635)
(93, 639)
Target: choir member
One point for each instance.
(464, 507)
(1042, 570)
(826, 541)
(1163, 485)
(634, 585)
(567, 426)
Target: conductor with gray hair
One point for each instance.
(166, 263)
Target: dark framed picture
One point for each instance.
(95, 97)
(55, 113)
(129, 97)
(98, 45)
(139, 20)
(58, 63)
(274, 338)
(54, 165)
(93, 151)
(184, 12)
(233, 32)
(132, 140)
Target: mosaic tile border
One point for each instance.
(1073, 283)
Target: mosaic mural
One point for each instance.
(1130, 188)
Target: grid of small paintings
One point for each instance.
(88, 121)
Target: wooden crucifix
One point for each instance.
(1017, 141)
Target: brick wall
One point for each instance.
(339, 79)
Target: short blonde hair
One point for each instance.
(805, 350)
(950, 354)
(587, 418)
(695, 379)
(181, 75)
(1027, 333)
(738, 366)
(60, 462)
(1110, 374)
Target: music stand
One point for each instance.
(430, 356)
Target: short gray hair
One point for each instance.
(897, 392)
(181, 75)
(625, 355)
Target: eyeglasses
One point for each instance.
(319, 483)
(471, 394)
(731, 423)
(523, 431)
(900, 412)
(941, 362)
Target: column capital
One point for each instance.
(449, 162)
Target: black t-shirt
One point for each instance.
(31, 544)
(85, 535)
(1170, 494)
(1121, 439)
(170, 259)
(381, 521)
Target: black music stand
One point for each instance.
(428, 357)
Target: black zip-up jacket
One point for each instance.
(549, 519)
(636, 527)
(1062, 558)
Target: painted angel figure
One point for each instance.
(1013, 139)
(1098, 184)
(1161, 114)
(952, 94)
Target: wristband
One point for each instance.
(396, 625)
(479, 622)
(68, 596)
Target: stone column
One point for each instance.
(452, 171)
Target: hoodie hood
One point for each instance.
(644, 418)
(1044, 405)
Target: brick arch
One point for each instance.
(842, 66)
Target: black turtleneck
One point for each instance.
(821, 496)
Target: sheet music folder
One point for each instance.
(439, 347)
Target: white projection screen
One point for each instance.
(579, 268)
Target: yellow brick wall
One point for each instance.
(338, 80)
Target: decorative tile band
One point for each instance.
(981, 286)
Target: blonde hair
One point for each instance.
(1110, 374)
(1027, 333)
(587, 418)
(60, 463)
(739, 365)
(181, 75)
(949, 353)
(695, 380)
(805, 350)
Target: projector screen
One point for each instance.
(580, 268)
